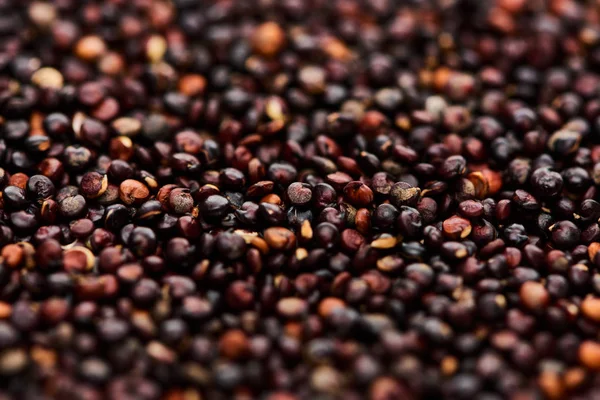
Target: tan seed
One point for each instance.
(127, 126)
(156, 48)
(306, 231)
(292, 307)
(13, 361)
(387, 242)
(90, 48)
(326, 379)
(42, 13)
(47, 78)
(160, 352)
(301, 253)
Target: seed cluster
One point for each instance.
(294, 199)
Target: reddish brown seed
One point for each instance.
(51, 168)
(589, 354)
(90, 48)
(456, 228)
(268, 39)
(362, 220)
(590, 307)
(121, 148)
(351, 240)
(54, 310)
(328, 305)
(384, 388)
(19, 179)
(593, 250)
(336, 49)
(574, 377)
(5, 310)
(358, 194)
(12, 255)
(551, 384)
(133, 192)
(271, 199)
(111, 63)
(513, 6)
(234, 344)
(534, 295)
(78, 259)
(280, 238)
(192, 85)
(479, 184)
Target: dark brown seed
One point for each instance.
(564, 142)
(403, 194)
(471, 209)
(181, 201)
(93, 184)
